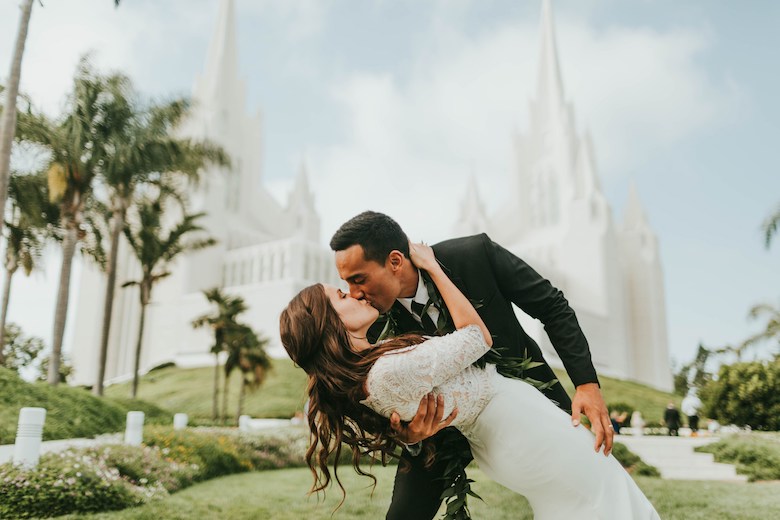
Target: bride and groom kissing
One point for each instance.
(447, 373)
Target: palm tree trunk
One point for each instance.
(136, 365)
(241, 397)
(215, 400)
(225, 399)
(117, 222)
(61, 310)
(9, 272)
(8, 122)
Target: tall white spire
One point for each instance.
(634, 216)
(473, 218)
(549, 86)
(220, 83)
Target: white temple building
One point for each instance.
(556, 218)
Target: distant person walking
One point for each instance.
(690, 407)
(672, 419)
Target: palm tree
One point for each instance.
(8, 119)
(246, 351)
(770, 226)
(770, 332)
(78, 146)
(145, 152)
(31, 222)
(221, 322)
(155, 248)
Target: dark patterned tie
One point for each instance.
(428, 326)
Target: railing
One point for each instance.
(290, 259)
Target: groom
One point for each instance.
(372, 256)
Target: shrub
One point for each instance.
(72, 412)
(145, 466)
(631, 461)
(755, 455)
(64, 483)
(745, 394)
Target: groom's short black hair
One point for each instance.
(375, 232)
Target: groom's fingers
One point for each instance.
(575, 416)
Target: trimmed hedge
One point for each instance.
(754, 454)
(71, 412)
(631, 461)
(113, 477)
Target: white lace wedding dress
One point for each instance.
(517, 436)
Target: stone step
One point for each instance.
(675, 458)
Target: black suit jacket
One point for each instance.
(486, 272)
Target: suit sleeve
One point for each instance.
(537, 297)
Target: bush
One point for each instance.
(222, 451)
(72, 412)
(755, 455)
(631, 461)
(64, 483)
(114, 477)
(745, 394)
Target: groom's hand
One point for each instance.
(427, 421)
(588, 400)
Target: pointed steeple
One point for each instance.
(549, 86)
(634, 216)
(473, 218)
(220, 83)
(301, 196)
(300, 207)
(587, 178)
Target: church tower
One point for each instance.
(557, 218)
(645, 295)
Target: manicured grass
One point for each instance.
(281, 495)
(283, 393)
(190, 391)
(71, 412)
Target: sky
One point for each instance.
(392, 105)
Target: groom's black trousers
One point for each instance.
(417, 492)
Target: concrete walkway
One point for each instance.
(7, 450)
(675, 459)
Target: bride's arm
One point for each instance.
(462, 311)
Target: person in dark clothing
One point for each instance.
(672, 419)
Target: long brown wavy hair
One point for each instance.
(317, 341)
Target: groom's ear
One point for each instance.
(395, 260)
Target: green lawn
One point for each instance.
(649, 401)
(190, 391)
(281, 495)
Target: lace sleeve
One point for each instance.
(436, 360)
(398, 380)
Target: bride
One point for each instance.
(517, 436)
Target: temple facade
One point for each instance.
(555, 217)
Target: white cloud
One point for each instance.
(413, 142)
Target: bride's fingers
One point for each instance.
(395, 422)
(451, 417)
